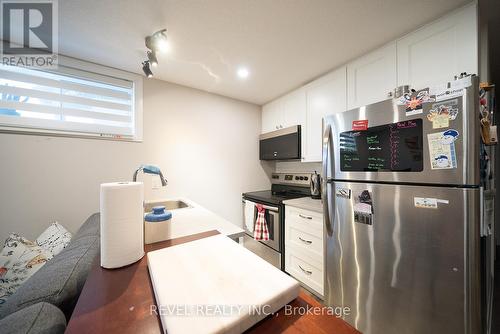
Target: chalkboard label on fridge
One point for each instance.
(395, 147)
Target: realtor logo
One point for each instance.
(29, 33)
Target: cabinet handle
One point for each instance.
(305, 217)
(308, 272)
(305, 241)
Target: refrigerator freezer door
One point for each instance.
(399, 258)
(386, 142)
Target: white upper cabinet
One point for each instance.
(372, 77)
(286, 111)
(294, 108)
(294, 113)
(272, 116)
(438, 51)
(431, 55)
(325, 96)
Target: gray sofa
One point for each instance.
(44, 303)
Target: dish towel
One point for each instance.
(261, 232)
(249, 215)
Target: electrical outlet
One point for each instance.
(493, 134)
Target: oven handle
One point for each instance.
(270, 208)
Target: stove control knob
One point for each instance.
(301, 178)
(296, 178)
(306, 178)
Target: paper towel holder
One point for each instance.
(121, 223)
(150, 169)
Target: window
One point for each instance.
(78, 98)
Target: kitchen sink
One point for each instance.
(169, 205)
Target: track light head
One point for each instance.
(158, 41)
(147, 69)
(152, 58)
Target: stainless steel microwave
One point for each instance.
(283, 144)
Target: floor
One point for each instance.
(303, 324)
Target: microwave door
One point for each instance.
(282, 144)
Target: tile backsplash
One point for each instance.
(297, 167)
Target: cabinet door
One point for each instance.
(271, 116)
(437, 52)
(294, 108)
(372, 77)
(294, 113)
(325, 96)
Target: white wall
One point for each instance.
(206, 145)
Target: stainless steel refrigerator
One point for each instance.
(402, 208)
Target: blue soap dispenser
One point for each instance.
(158, 214)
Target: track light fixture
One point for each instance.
(158, 41)
(152, 58)
(147, 69)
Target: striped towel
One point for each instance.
(260, 231)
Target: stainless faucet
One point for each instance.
(150, 169)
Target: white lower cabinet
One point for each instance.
(304, 247)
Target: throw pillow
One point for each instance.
(19, 259)
(54, 238)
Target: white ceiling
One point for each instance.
(284, 43)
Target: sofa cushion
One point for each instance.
(54, 239)
(61, 280)
(19, 260)
(35, 319)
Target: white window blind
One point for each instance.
(67, 100)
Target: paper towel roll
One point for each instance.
(122, 231)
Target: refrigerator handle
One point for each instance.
(327, 151)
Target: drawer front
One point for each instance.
(305, 270)
(305, 240)
(304, 217)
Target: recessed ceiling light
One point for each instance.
(243, 73)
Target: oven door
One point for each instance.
(273, 225)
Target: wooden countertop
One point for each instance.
(120, 301)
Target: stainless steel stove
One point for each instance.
(284, 186)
